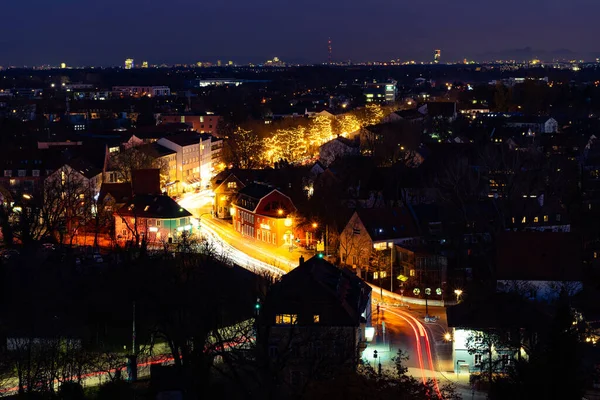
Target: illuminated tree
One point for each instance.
(319, 131)
(287, 144)
(345, 124)
(243, 149)
(370, 115)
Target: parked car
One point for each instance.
(48, 246)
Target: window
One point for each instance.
(231, 185)
(412, 272)
(21, 172)
(558, 217)
(505, 360)
(545, 218)
(536, 219)
(35, 172)
(477, 359)
(158, 222)
(286, 319)
(524, 220)
(513, 220)
(7, 172)
(316, 318)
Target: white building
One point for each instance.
(210, 157)
(187, 147)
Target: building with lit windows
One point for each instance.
(187, 148)
(129, 63)
(141, 91)
(380, 92)
(317, 319)
(264, 213)
(437, 55)
(156, 218)
(200, 123)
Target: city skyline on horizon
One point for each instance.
(187, 32)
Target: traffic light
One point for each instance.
(320, 255)
(257, 305)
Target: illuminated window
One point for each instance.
(383, 274)
(524, 220)
(375, 275)
(316, 319)
(412, 272)
(545, 218)
(286, 319)
(231, 185)
(477, 359)
(536, 219)
(513, 220)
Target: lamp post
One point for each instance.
(458, 292)
(427, 293)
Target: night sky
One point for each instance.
(95, 32)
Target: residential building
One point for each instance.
(200, 123)
(210, 158)
(539, 265)
(313, 323)
(225, 191)
(167, 159)
(155, 218)
(187, 149)
(113, 196)
(380, 92)
(375, 229)
(440, 110)
(78, 175)
(422, 265)
(535, 124)
(264, 213)
(503, 324)
(141, 91)
(337, 148)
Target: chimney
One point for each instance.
(301, 260)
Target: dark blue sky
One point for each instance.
(105, 32)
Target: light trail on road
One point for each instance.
(420, 336)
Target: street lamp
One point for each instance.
(27, 196)
(427, 293)
(458, 292)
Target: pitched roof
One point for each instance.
(497, 310)
(388, 223)
(149, 206)
(538, 256)
(84, 167)
(184, 139)
(256, 190)
(120, 192)
(155, 150)
(441, 109)
(316, 284)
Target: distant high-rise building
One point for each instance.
(144, 64)
(230, 62)
(63, 65)
(129, 63)
(329, 50)
(437, 54)
(218, 63)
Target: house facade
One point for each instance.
(264, 213)
(155, 218)
(337, 148)
(372, 230)
(313, 322)
(187, 149)
(225, 192)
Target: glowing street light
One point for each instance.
(314, 225)
(458, 292)
(447, 336)
(27, 196)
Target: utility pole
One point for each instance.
(392, 268)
